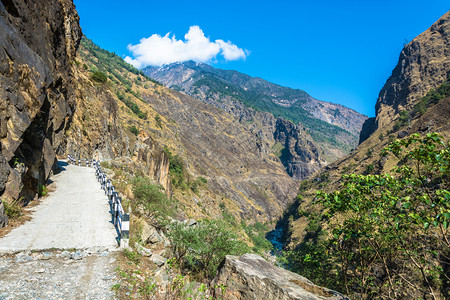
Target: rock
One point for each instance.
(142, 250)
(158, 259)
(65, 254)
(402, 134)
(423, 65)
(76, 256)
(191, 222)
(37, 46)
(3, 216)
(40, 271)
(251, 277)
(150, 234)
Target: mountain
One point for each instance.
(153, 125)
(414, 100)
(333, 127)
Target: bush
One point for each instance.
(13, 210)
(42, 190)
(134, 130)
(176, 170)
(99, 77)
(200, 249)
(158, 121)
(151, 197)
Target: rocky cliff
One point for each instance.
(424, 64)
(38, 41)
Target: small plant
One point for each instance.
(134, 130)
(13, 210)
(201, 248)
(115, 287)
(133, 256)
(42, 190)
(158, 121)
(17, 163)
(151, 197)
(147, 288)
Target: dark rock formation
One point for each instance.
(38, 40)
(299, 154)
(368, 128)
(251, 277)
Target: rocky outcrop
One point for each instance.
(423, 65)
(299, 154)
(38, 41)
(94, 133)
(251, 277)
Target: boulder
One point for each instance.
(142, 250)
(158, 259)
(150, 234)
(251, 277)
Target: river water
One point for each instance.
(276, 238)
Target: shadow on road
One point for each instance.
(60, 167)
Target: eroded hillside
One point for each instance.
(333, 128)
(126, 114)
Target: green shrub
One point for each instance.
(198, 183)
(158, 121)
(13, 210)
(132, 255)
(402, 121)
(201, 248)
(177, 171)
(151, 197)
(257, 233)
(42, 190)
(134, 130)
(99, 77)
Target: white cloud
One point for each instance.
(158, 50)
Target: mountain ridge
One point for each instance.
(226, 89)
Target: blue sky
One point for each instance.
(338, 51)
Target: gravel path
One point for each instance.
(75, 215)
(58, 275)
(74, 225)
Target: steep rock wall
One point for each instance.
(38, 41)
(423, 65)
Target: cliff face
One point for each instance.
(38, 41)
(423, 65)
(299, 154)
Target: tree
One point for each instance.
(389, 233)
